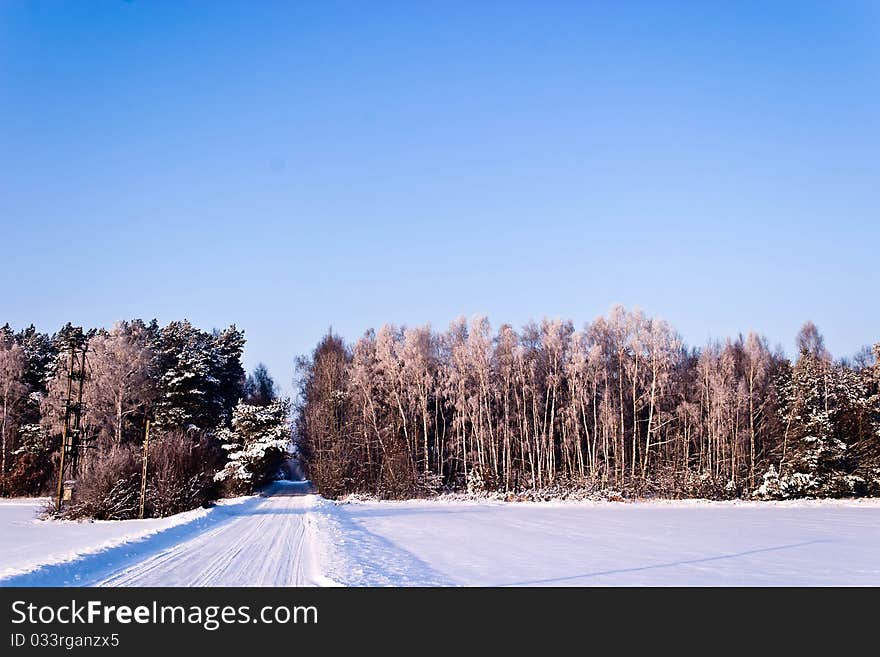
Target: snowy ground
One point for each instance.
(583, 544)
(290, 538)
(26, 542)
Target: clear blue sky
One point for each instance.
(291, 166)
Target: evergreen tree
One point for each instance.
(70, 336)
(816, 458)
(867, 424)
(40, 357)
(200, 376)
(260, 388)
(257, 441)
(183, 361)
(228, 346)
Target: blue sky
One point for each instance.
(292, 166)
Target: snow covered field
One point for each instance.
(293, 539)
(658, 543)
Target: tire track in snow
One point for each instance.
(263, 546)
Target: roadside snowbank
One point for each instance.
(29, 544)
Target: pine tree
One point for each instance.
(260, 388)
(227, 346)
(201, 378)
(40, 357)
(257, 441)
(867, 423)
(184, 363)
(816, 459)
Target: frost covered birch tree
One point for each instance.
(621, 404)
(122, 382)
(13, 392)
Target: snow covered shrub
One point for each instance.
(108, 487)
(476, 485)
(180, 473)
(798, 484)
(872, 481)
(770, 488)
(802, 484)
(256, 444)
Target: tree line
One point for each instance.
(621, 406)
(205, 414)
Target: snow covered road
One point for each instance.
(267, 544)
(260, 541)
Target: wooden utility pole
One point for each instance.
(144, 470)
(76, 437)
